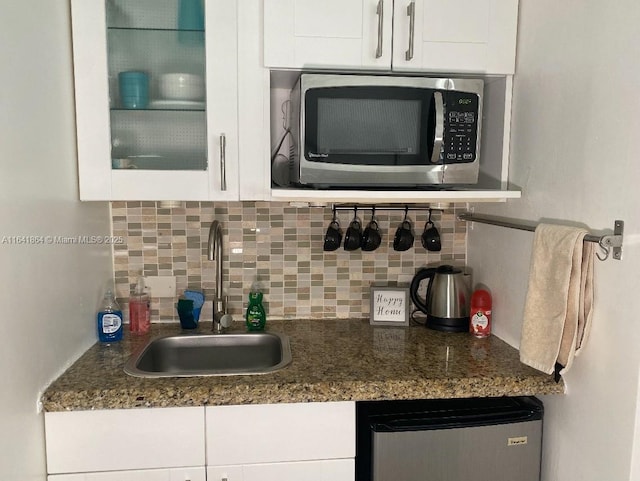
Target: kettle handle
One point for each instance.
(426, 273)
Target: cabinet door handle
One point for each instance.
(223, 162)
(380, 13)
(411, 13)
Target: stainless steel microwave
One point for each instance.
(358, 131)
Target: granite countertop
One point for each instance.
(333, 360)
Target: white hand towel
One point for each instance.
(559, 302)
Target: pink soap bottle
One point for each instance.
(139, 309)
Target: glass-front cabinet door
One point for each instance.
(156, 99)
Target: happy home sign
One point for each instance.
(389, 306)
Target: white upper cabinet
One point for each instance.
(328, 33)
(151, 134)
(455, 35)
(427, 35)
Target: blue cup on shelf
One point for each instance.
(134, 89)
(191, 15)
(191, 22)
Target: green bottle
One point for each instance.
(256, 315)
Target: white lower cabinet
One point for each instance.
(262, 442)
(177, 474)
(281, 442)
(124, 439)
(271, 433)
(327, 470)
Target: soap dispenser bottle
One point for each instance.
(139, 309)
(256, 316)
(109, 319)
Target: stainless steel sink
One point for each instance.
(229, 354)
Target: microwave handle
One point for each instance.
(380, 13)
(439, 133)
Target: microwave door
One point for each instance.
(373, 136)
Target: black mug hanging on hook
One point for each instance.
(403, 240)
(431, 237)
(333, 237)
(371, 237)
(353, 237)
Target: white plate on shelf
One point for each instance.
(176, 104)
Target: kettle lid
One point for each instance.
(447, 269)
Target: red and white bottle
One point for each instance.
(480, 313)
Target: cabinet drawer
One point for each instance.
(280, 432)
(176, 474)
(327, 470)
(119, 439)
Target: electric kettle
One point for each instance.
(447, 301)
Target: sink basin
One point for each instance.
(186, 355)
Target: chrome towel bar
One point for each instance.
(608, 242)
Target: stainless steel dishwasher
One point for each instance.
(479, 439)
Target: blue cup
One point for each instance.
(191, 22)
(187, 320)
(134, 89)
(186, 314)
(190, 15)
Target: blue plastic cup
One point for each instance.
(190, 15)
(191, 22)
(187, 321)
(134, 89)
(186, 314)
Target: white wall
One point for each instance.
(575, 133)
(48, 293)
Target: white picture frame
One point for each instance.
(389, 306)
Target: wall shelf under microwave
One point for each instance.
(396, 196)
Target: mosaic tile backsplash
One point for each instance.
(276, 245)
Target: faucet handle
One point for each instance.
(226, 321)
(221, 320)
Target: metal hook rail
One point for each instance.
(607, 243)
(386, 207)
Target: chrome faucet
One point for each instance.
(221, 319)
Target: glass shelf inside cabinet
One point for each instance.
(156, 57)
(159, 104)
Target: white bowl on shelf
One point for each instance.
(181, 86)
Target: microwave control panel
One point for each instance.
(460, 127)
